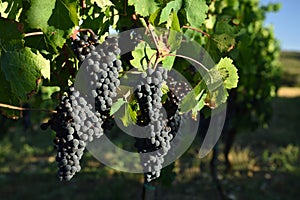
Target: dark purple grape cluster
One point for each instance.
(77, 122)
(68, 144)
(104, 67)
(172, 107)
(162, 128)
(144, 145)
(84, 44)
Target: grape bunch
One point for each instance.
(68, 144)
(83, 45)
(88, 124)
(78, 121)
(171, 106)
(103, 68)
(162, 127)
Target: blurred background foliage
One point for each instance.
(265, 161)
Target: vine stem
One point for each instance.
(188, 58)
(33, 34)
(86, 29)
(158, 53)
(208, 35)
(2, 105)
(149, 63)
(83, 4)
(198, 30)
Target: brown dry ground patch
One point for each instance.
(289, 92)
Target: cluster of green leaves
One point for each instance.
(35, 44)
(233, 29)
(35, 47)
(256, 55)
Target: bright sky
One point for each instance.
(286, 23)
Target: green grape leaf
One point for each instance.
(39, 14)
(116, 106)
(8, 97)
(154, 18)
(11, 8)
(220, 78)
(142, 55)
(23, 69)
(171, 6)
(190, 101)
(55, 38)
(228, 72)
(164, 88)
(48, 91)
(64, 15)
(168, 62)
(144, 7)
(224, 42)
(223, 26)
(195, 12)
(102, 3)
(129, 115)
(133, 107)
(175, 25)
(10, 29)
(175, 37)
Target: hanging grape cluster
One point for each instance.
(78, 121)
(68, 144)
(163, 126)
(146, 145)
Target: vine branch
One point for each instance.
(188, 58)
(33, 34)
(2, 105)
(198, 30)
(158, 53)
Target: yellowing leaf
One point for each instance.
(228, 72)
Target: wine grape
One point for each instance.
(162, 131)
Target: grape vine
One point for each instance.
(38, 54)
